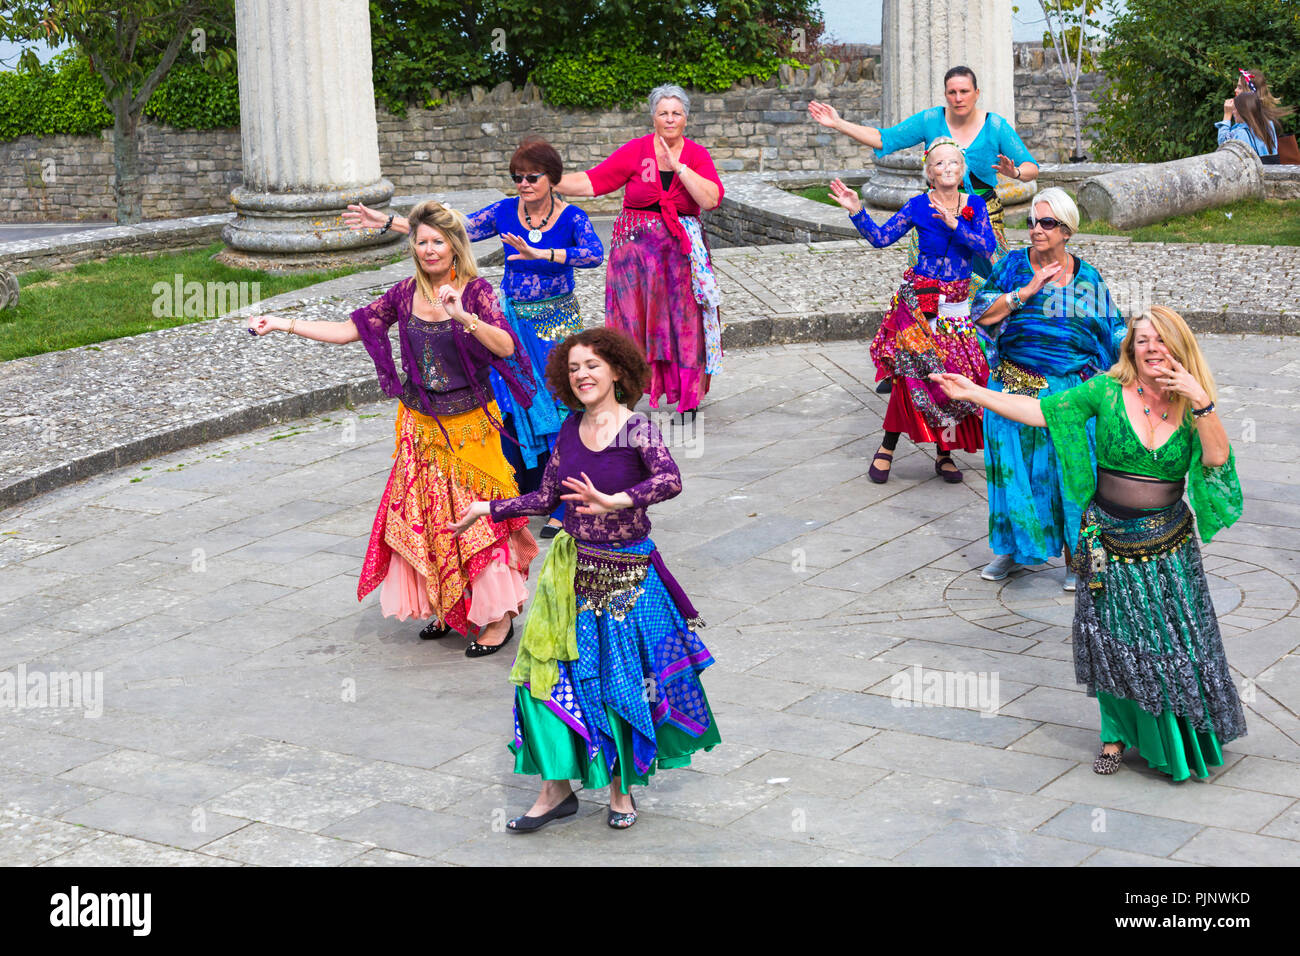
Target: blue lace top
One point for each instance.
(945, 254)
(527, 280)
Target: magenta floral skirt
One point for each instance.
(648, 297)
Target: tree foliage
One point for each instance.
(1172, 63)
(420, 46)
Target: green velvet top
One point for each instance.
(1215, 493)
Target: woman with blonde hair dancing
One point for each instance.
(1146, 640)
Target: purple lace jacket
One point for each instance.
(636, 461)
(445, 369)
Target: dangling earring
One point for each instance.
(454, 260)
(618, 393)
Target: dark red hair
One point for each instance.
(536, 153)
(619, 352)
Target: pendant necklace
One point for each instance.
(1146, 410)
(535, 232)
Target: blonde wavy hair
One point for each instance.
(451, 224)
(1179, 342)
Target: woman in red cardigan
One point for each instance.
(660, 289)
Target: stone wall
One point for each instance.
(467, 143)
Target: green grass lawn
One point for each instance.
(821, 194)
(127, 295)
(1260, 222)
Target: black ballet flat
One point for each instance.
(476, 649)
(566, 808)
(621, 821)
(434, 631)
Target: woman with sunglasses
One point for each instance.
(660, 289)
(544, 238)
(1054, 325)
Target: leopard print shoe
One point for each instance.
(1107, 763)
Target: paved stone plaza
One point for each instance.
(254, 713)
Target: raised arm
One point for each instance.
(894, 229)
(828, 116)
(587, 250)
(482, 224)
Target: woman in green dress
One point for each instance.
(1146, 640)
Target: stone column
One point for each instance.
(307, 124)
(921, 40)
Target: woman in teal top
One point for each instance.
(990, 142)
(1146, 640)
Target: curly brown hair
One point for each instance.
(618, 351)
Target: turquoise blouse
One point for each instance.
(995, 136)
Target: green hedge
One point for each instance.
(65, 96)
(601, 79)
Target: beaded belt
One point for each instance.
(1017, 380)
(1140, 540)
(554, 319)
(608, 581)
(632, 223)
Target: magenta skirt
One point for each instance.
(648, 297)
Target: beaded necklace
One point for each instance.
(1146, 410)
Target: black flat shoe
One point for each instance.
(434, 631)
(476, 649)
(885, 387)
(621, 821)
(566, 808)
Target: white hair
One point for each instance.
(1062, 206)
(669, 92)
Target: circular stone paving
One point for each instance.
(1028, 603)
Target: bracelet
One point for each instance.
(1017, 172)
(552, 255)
(388, 225)
(294, 321)
(473, 324)
(1014, 302)
(1202, 412)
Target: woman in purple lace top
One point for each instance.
(608, 668)
(544, 240)
(452, 334)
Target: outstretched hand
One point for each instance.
(589, 500)
(823, 113)
(846, 197)
(358, 216)
(525, 250)
(1006, 167)
(957, 387)
(476, 510)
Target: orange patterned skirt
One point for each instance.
(431, 485)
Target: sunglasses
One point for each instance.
(531, 177)
(1047, 222)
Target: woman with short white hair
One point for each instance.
(660, 289)
(1055, 325)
